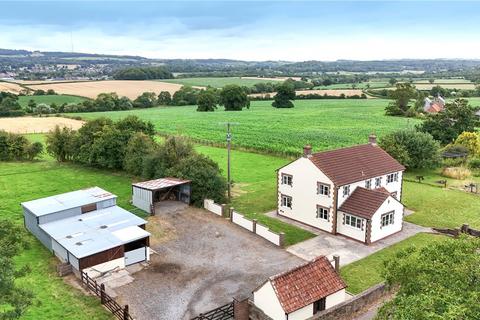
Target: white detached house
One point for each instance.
(355, 191)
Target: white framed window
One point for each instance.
(368, 184)
(378, 182)
(392, 177)
(287, 179)
(353, 221)
(388, 218)
(346, 190)
(323, 189)
(286, 201)
(322, 212)
(394, 194)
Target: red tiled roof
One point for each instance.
(435, 108)
(364, 202)
(158, 184)
(306, 284)
(347, 165)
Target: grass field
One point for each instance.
(218, 82)
(364, 273)
(361, 85)
(49, 99)
(324, 124)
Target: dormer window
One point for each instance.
(378, 182)
(287, 179)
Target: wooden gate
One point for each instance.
(224, 312)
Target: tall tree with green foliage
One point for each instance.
(285, 93)
(145, 100)
(402, 96)
(61, 143)
(234, 98)
(207, 100)
(139, 146)
(14, 300)
(164, 98)
(413, 149)
(457, 117)
(440, 281)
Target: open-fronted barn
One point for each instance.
(87, 230)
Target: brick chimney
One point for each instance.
(372, 139)
(307, 151)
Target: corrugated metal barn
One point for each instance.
(86, 229)
(145, 195)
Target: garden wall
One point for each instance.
(250, 225)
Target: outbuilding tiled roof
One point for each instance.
(306, 284)
(364, 202)
(347, 165)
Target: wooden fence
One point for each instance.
(456, 232)
(117, 310)
(224, 312)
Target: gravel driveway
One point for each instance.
(203, 261)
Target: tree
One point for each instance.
(185, 96)
(61, 143)
(14, 300)
(207, 100)
(471, 141)
(124, 103)
(139, 146)
(431, 80)
(106, 102)
(9, 104)
(439, 281)
(31, 106)
(145, 100)
(445, 126)
(134, 124)
(402, 96)
(413, 149)
(164, 98)
(143, 73)
(233, 98)
(285, 93)
(42, 108)
(392, 81)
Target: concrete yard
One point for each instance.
(202, 261)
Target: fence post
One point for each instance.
(231, 213)
(241, 308)
(225, 212)
(102, 293)
(254, 226)
(282, 239)
(336, 259)
(126, 315)
(464, 228)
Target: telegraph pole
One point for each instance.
(229, 148)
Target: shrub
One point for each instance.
(459, 173)
(17, 147)
(474, 163)
(137, 148)
(34, 150)
(471, 142)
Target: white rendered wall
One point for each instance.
(304, 194)
(266, 300)
(379, 232)
(335, 298)
(302, 314)
(350, 231)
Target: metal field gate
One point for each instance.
(224, 312)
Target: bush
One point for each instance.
(17, 147)
(459, 173)
(474, 163)
(471, 142)
(34, 150)
(413, 149)
(139, 146)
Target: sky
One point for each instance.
(249, 30)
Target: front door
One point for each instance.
(319, 306)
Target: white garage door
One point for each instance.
(134, 256)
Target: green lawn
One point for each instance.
(49, 99)
(362, 274)
(218, 82)
(325, 124)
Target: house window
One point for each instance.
(368, 183)
(286, 201)
(353, 221)
(322, 213)
(392, 177)
(287, 179)
(346, 191)
(387, 218)
(319, 305)
(323, 189)
(394, 194)
(378, 182)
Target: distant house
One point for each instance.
(434, 106)
(355, 191)
(301, 292)
(86, 229)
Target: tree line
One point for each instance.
(143, 73)
(15, 147)
(129, 144)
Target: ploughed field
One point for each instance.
(325, 124)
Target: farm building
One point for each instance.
(434, 106)
(354, 191)
(147, 195)
(86, 229)
(302, 292)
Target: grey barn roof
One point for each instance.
(65, 201)
(158, 184)
(96, 231)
